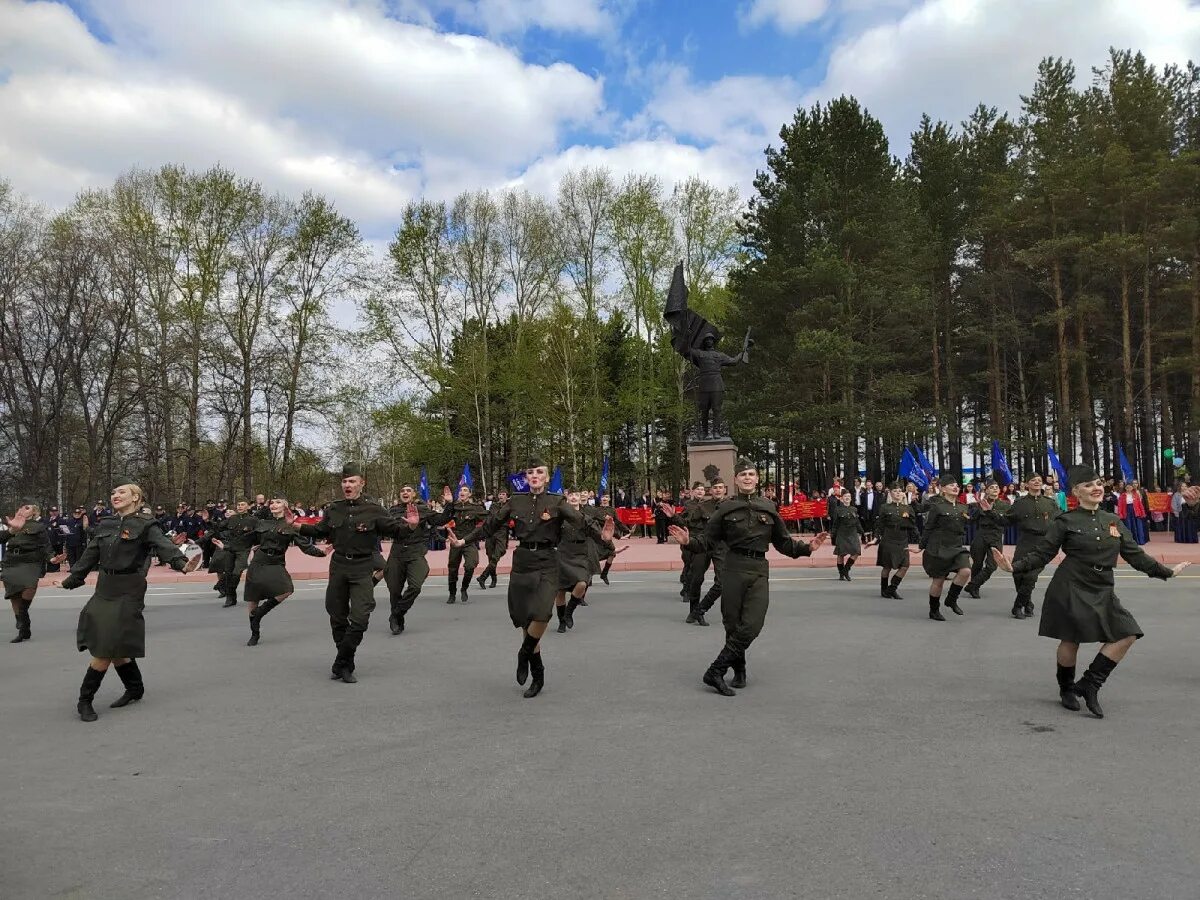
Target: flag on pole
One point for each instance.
(910, 471)
(604, 478)
(556, 481)
(1057, 467)
(1000, 470)
(926, 466)
(519, 483)
(465, 477)
(423, 485)
(1126, 468)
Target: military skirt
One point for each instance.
(111, 624)
(532, 585)
(945, 566)
(892, 555)
(267, 576)
(19, 577)
(575, 564)
(847, 542)
(1082, 607)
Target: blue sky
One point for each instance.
(376, 102)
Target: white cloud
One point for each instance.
(945, 57)
(786, 15)
(325, 94)
(503, 17)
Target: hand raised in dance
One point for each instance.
(608, 529)
(984, 503)
(1179, 567)
(289, 516)
(179, 537)
(453, 540)
(412, 515)
(17, 519)
(58, 560)
(818, 541)
(1191, 495)
(667, 509)
(447, 494)
(679, 534)
(1003, 563)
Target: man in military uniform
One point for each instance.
(1032, 515)
(73, 529)
(355, 526)
(407, 568)
(467, 515)
(748, 525)
(536, 519)
(694, 517)
(601, 510)
(53, 521)
(991, 518)
(237, 535)
(716, 552)
(261, 509)
(496, 545)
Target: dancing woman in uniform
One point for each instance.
(896, 528)
(27, 552)
(748, 525)
(944, 549)
(578, 561)
(111, 626)
(536, 519)
(847, 530)
(1081, 604)
(268, 582)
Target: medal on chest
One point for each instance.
(545, 515)
(764, 518)
(361, 527)
(1113, 530)
(125, 534)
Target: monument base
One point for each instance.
(711, 459)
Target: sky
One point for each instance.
(377, 102)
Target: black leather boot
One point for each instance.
(604, 572)
(1088, 687)
(883, 587)
(538, 670)
(482, 579)
(396, 620)
(1066, 684)
(849, 566)
(466, 584)
(569, 615)
(935, 611)
(972, 591)
(1018, 610)
(87, 690)
(841, 571)
(714, 677)
(895, 583)
(952, 599)
(23, 624)
(131, 677)
(523, 656)
(1029, 607)
(230, 600)
(561, 612)
(693, 609)
(739, 672)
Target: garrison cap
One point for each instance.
(1082, 474)
(743, 464)
(534, 462)
(947, 480)
(352, 470)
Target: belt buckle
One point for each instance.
(1096, 568)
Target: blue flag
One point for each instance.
(423, 486)
(1057, 467)
(1126, 468)
(465, 477)
(1000, 470)
(926, 466)
(518, 483)
(604, 478)
(910, 471)
(555, 486)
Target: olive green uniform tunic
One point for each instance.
(353, 527)
(695, 518)
(579, 553)
(897, 528)
(407, 566)
(747, 525)
(1081, 604)
(467, 517)
(536, 521)
(26, 554)
(267, 574)
(111, 624)
(846, 529)
(1032, 516)
(943, 539)
(607, 551)
(989, 535)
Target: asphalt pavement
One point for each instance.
(874, 754)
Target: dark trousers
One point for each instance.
(349, 600)
(744, 600)
(982, 564)
(74, 551)
(1026, 581)
(233, 574)
(468, 557)
(404, 578)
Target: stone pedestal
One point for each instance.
(711, 459)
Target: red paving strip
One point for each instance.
(643, 555)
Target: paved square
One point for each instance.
(874, 754)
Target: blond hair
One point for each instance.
(136, 490)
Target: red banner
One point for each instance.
(805, 509)
(1160, 502)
